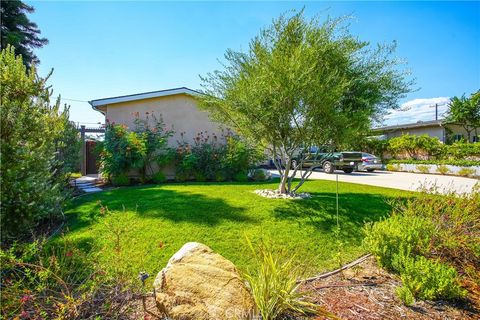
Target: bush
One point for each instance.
(415, 146)
(32, 152)
(430, 240)
(429, 280)
(462, 150)
(120, 180)
(466, 172)
(423, 168)
(258, 175)
(393, 167)
(460, 163)
(442, 169)
(213, 158)
(159, 177)
(60, 281)
(274, 285)
(240, 177)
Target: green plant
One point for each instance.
(466, 172)
(405, 295)
(120, 180)
(442, 169)
(460, 163)
(428, 279)
(123, 150)
(393, 167)
(241, 177)
(430, 240)
(33, 175)
(159, 177)
(414, 146)
(423, 168)
(274, 285)
(258, 175)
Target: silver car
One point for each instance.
(369, 163)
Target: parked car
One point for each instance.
(329, 161)
(369, 163)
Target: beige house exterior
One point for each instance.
(435, 128)
(178, 107)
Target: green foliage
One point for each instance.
(460, 163)
(442, 169)
(45, 281)
(159, 177)
(415, 146)
(430, 240)
(461, 150)
(300, 83)
(33, 132)
(120, 179)
(258, 175)
(427, 279)
(423, 168)
(213, 158)
(393, 167)
(140, 150)
(404, 294)
(19, 32)
(68, 148)
(465, 112)
(370, 145)
(151, 130)
(466, 172)
(274, 286)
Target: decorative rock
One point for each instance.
(274, 194)
(200, 284)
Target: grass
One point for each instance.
(150, 223)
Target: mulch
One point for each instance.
(366, 291)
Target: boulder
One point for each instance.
(200, 284)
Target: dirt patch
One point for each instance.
(365, 291)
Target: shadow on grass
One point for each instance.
(320, 211)
(155, 202)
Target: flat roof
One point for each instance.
(139, 96)
(418, 124)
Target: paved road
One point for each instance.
(400, 180)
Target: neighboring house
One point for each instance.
(436, 128)
(178, 108)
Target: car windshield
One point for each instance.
(368, 155)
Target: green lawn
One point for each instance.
(158, 220)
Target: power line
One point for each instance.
(68, 99)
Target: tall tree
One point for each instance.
(18, 31)
(465, 112)
(303, 83)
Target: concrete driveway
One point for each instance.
(400, 180)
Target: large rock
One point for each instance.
(200, 284)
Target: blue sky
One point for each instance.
(104, 49)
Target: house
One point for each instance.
(178, 108)
(435, 128)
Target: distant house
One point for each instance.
(435, 128)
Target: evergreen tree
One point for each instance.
(18, 31)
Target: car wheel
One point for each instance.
(350, 170)
(370, 170)
(328, 167)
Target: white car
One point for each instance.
(369, 163)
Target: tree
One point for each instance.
(31, 135)
(18, 31)
(303, 83)
(465, 112)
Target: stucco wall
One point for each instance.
(179, 112)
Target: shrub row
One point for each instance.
(460, 163)
(432, 242)
(144, 151)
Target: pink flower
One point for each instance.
(69, 254)
(24, 299)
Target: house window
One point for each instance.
(458, 137)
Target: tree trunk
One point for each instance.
(282, 188)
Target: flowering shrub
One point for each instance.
(215, 158)
(139, 150)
